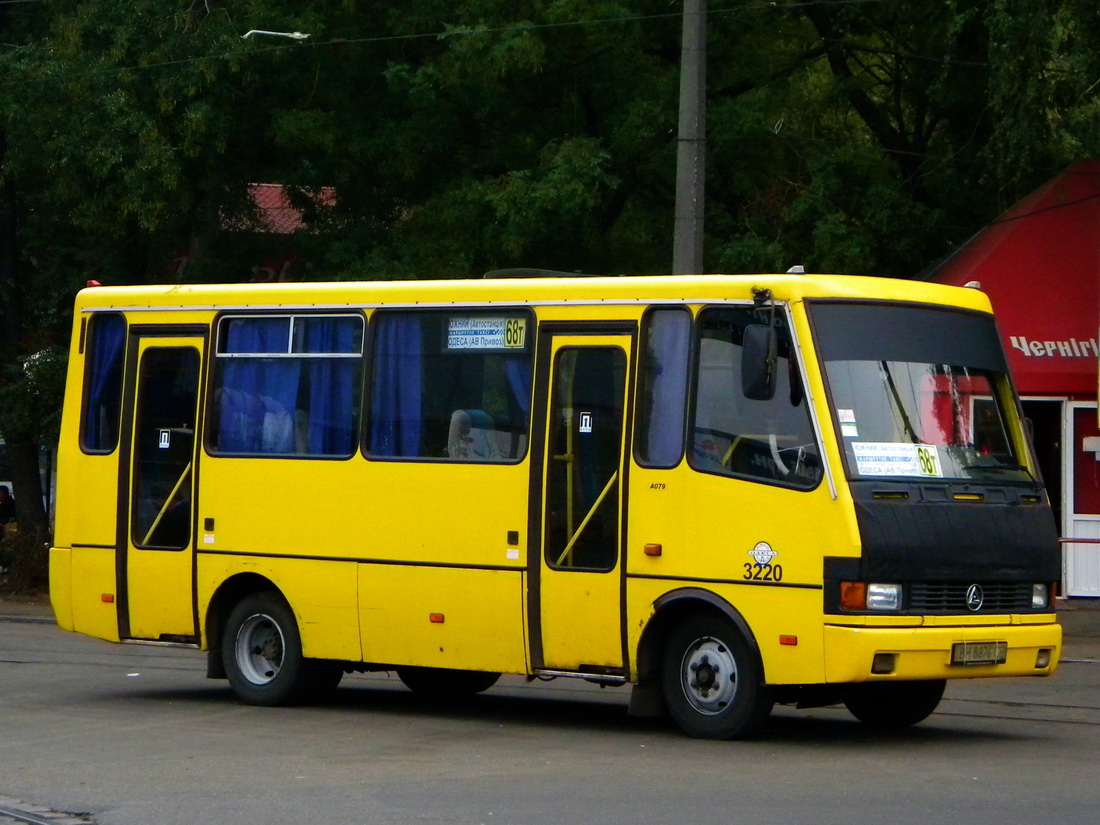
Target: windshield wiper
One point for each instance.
(1002, 467)
(910, 430)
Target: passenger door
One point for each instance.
(576, 564)
(156, 514)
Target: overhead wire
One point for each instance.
(457, 31)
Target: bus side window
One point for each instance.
(106, 352)
(768, 440)
(662, 396)
(450, 387)
(287, 385)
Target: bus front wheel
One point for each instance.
(894, 704)
(713, 681)
(262, 654)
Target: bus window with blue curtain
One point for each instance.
(106, 352)
(451, 386)
(662, 395)
(287, 385)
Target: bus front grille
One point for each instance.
(952, 597)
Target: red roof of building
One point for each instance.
(1039, 263)
(277, 215)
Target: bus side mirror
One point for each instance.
(758, 362)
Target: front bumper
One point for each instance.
(925, 652)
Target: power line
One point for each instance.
(438, 35)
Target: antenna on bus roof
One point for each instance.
(523, 272)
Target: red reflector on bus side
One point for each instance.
(435, 618)
(788, 640)
(108, 598)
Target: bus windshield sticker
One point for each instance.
(848, 427)
(478, 332)
(890, 459)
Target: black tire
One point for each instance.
(440, 684)
(894, 704)
(262, 653)
(325, 677)
(713, 680)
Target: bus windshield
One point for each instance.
(918, 392)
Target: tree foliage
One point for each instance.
(469, 135)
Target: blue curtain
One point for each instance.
(108, 338)
(395, 415)
(518, 370)
(258, 396)
(332, 385)
(667, 352)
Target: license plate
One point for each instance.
(979, 653)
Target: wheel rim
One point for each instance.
(260, 649)
(708, 674)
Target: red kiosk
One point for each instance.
(1039, 263)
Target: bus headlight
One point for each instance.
(861, 596)
(884, 597)
(1039, 596)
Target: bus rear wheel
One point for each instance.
(441, 683)
(894, 704)
(262, 654)
(713, 681)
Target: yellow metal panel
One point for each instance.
(61, 586)
(93, 570)
(925, 653)
(580, 619)
(87, 492)
(708, 525)
(159, 593)
(323, 597)
(365, 510)
(482, 612)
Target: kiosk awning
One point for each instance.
(1039, 263)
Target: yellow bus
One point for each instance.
(725, 491)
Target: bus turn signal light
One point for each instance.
(853, 595)
(435, 618)
(653, 549)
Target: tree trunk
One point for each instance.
(22, 447)
(27, 488)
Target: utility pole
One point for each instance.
(687, 238)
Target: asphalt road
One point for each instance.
(125, 735)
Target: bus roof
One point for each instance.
(691, 289)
